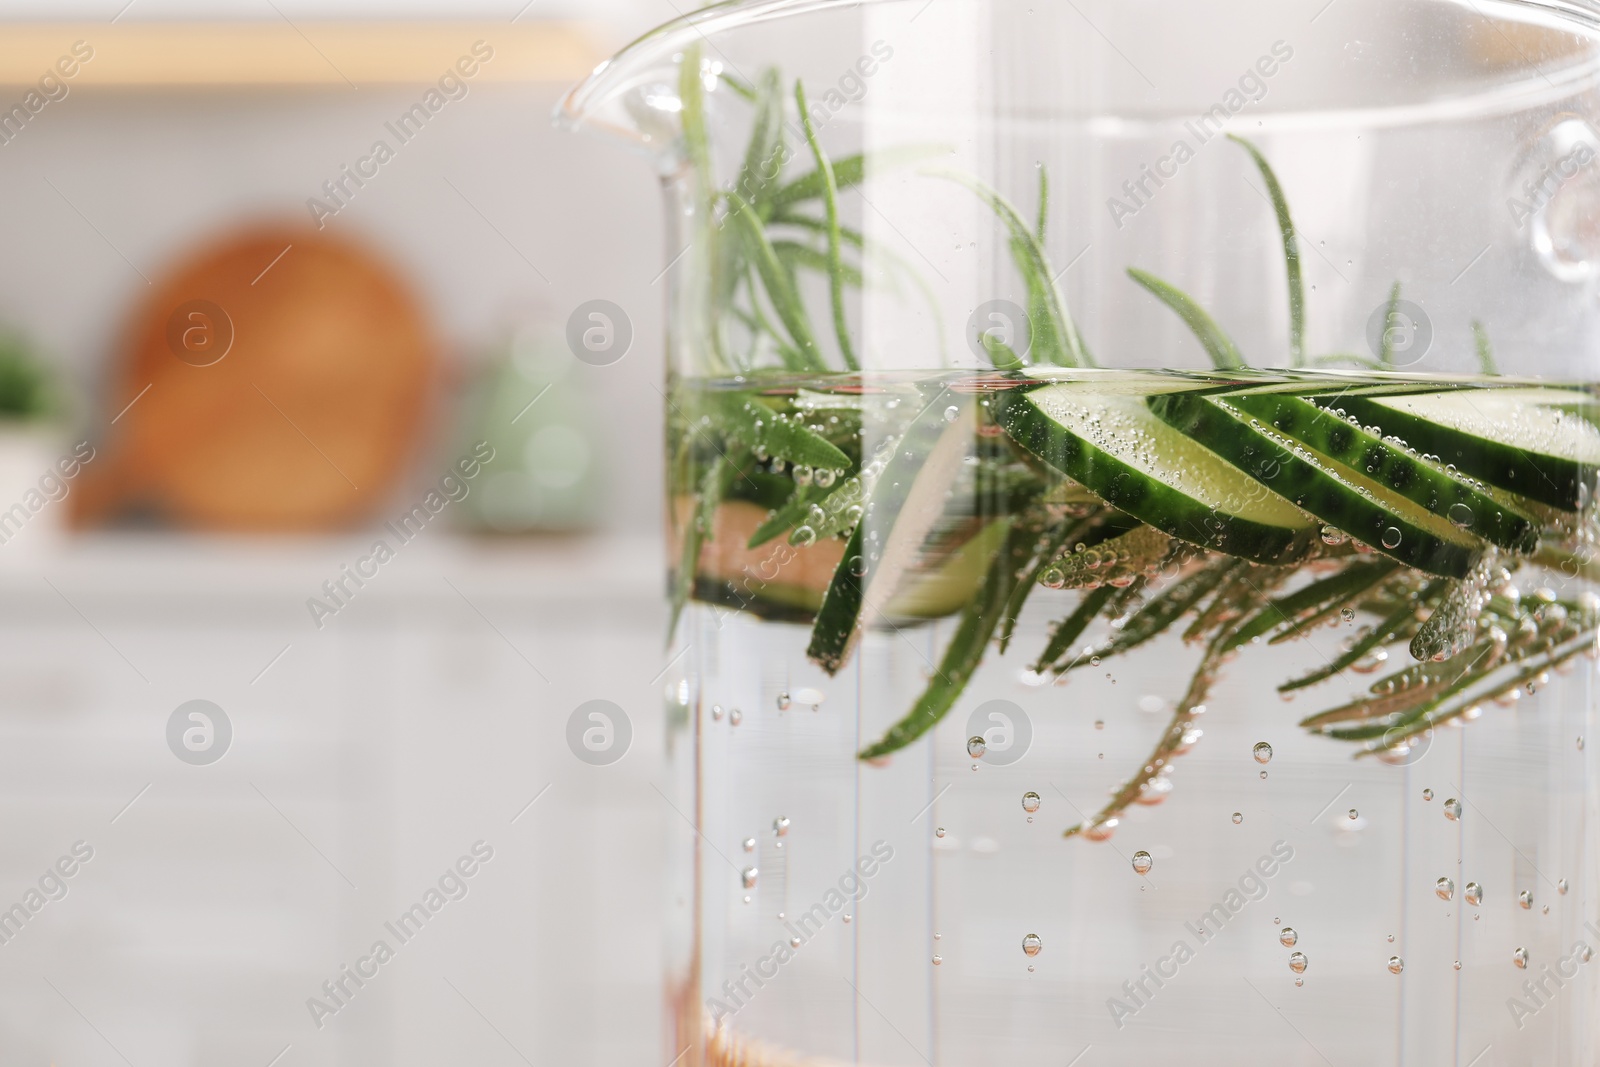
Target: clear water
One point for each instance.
(1269, 898)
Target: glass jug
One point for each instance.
(1131, 473)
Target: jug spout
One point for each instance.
(637, 94)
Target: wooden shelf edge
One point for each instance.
(278, 54)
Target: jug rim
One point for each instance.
(583, 105)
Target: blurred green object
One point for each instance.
(26, 390)
(534, 406)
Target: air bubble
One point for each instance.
(1354, 814)
(748, 876)
(780, 826)
(783, 702)
(1525, 900)
(1520, 958)
(976, 747)
(1262, 752)
(1238, 817)
(1445, 889)
(1473, 894)
(735, 717)
(1460, 515)
(1371, 661)
(1452, 809)
(1030, 802)
(1427, 794)
(1298, 962)
(1333, 536)
(1032, 945)
(1396, 964)
(1556, 195)
(749, 844)
(1142, 862)
(1391, 537)
(1561, 887)
(1287, 937)
(939, 832)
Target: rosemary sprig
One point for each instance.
(1041, 228)
(1175, 740)
(796, 257)
(1218, 345)
(1485, 350)
(1289, 614)
(1291, 254)
(965, 652)
(1055, 335)
(830, 203)
(1050, 543)
(1386, 340)
(788, 516)
(777, 282)
(849, 172)
(1397, 626)
(1090, 607)
(1467, 696)
(1158, 614)
(764, 154)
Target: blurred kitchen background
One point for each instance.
(216, 398)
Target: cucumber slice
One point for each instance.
(907, 502)
(949, 588)
(1394, 467)
(1333, 492)
(1522, 439)
(787, 584)
(1109, 440)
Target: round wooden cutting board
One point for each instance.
(276, 380)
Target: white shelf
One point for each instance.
(304, 53)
